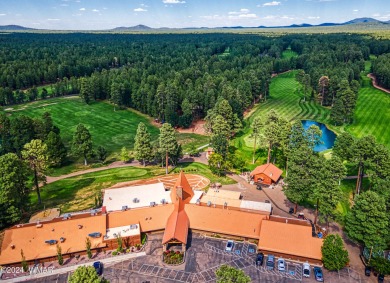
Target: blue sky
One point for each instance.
(99, 14)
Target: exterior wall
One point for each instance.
(266, 180)
(293, 257)
(222, 236)
(127, 242)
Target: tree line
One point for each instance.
(178, 78)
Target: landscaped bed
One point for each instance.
(172, 257)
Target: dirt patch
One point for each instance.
(197, 182)
(9, 109)
(197, 127)
(45, 215)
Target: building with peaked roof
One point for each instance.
(266, 174)
(290, 239)
(280, 236)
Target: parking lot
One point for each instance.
(204, 256)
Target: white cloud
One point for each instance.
(3, 15)
(140, 10)
(144, 5)
(64, 5)
(95, 10)
(356, 10)
(173, 2)
(273, 3)
(53, 20)
(82, 9)
(313, 17)
(247, 16)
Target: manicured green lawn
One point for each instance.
(109, 128)
(372, 115)
(78, 193)
(202, 169)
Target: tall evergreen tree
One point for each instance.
(35, 154)
(334, 255)
(56, 149)
(167, 142)
(367, 222)
(82, 142)
(14, 191)
(142, 144)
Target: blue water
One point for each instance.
(328, 137)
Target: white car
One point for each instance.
(281, 265)
(306, 270)
(229, 246)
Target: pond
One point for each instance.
(328, 137)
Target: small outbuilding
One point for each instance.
(266, 174)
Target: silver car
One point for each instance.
(281, 265)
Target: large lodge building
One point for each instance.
(128, 212)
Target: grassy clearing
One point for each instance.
(288, 53)
(225, 53)
(202, 169)
(78, 193)
(109, 128)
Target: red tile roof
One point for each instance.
(291, 239)
(187, 191)
(268, 169)
(177, 225)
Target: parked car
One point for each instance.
(98, 267)
(367, 271)
(291, 210)
(259, 259)
(270, 262)
(229, 246)
(301, 215)
(306, 270)
(281, 265)
(318, 274)
(381, 278)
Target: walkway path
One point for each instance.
(74, 267)
(374, 83)
(116, 164)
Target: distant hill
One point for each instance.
(351, 22)
(14, 27)
(363, 20)
(134, 28)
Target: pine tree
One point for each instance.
(124, 154)
(334, 255)
(101, 153)
(35, 154)
(82, 142)
(367, 222)
(56, 149)
(142, 144)
(167, 142)
(85, 90)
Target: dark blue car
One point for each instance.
(318, 274)
(98, 267)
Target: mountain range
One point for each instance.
(146, 28)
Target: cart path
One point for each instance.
(374, 83)
(119, 164)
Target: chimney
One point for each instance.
(179, 192)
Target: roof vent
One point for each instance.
(51, 242)
(62, 239)
(209, 203)
(67, 216)
(95, 234)
(152, 203)
(198, 201)
(135, 200)
(163, 201)
(94, 212)
(133, 226)
(124, 207)
(39, 225)
(80, 226)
